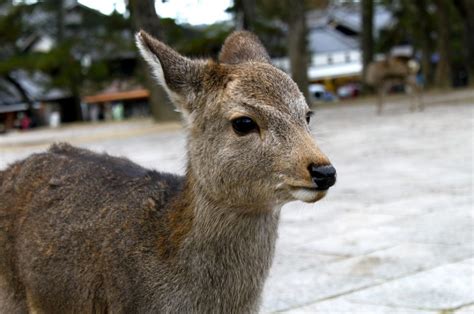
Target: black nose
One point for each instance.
(323, 176)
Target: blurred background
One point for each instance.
(66, 61)
(394, 235)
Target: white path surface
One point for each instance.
(395, 235)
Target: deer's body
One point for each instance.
(82, 232)
(123, 242)
(384, 74)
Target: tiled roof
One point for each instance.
(325, 39)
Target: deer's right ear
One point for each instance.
(180, 76)
(243, 46)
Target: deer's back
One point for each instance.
(80, 220)
(393, 68)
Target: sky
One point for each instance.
(184, 11)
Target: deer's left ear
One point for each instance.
(180, 76)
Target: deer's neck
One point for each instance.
(228, 252)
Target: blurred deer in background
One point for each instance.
(383, 75)
(82, 232)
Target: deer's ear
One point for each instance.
(180, 76)
(243, 46)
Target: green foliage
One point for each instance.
(415, 22)
(89, 34)
(203, 41)
(103, 41)
(269, 26)
(10, 25)
(207, 41)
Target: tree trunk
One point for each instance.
(367, 40)
(245, 14)
(297, 44)
(443, 69)
(74, 80)
(425, 40)
(469, 37)
(144, 17)
(60, 21)
(466, 11)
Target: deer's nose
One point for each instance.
(323, 176)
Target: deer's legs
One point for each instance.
(382, 93)
(380, 98)
(413, 98)
(415, 92)
(419, 94)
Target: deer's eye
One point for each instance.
(244, 125)
(308, 116)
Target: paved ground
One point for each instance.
(395, 235)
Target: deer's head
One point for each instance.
(249, 141)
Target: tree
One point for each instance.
(367, 41)
(292, 15)
(10, 28)
(263, 18)
(415, 26)
(144, 17)
(466, 11)
(424, 30)
(74, 78)
(245, 14)
(96, 37)
(60, 27)
(443, 69)
(469, 35)
(298, 44)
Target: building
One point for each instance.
(33, 91)
(28, 94)
(334, 43)
(119, 100)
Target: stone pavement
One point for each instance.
(396, 233)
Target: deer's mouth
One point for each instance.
(307, 194)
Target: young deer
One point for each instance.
(382, 75)
(82, 232)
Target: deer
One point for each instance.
(384, 74)
(86, 232)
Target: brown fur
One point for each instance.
(57, 199)
(384, 74)
(242, 47)
(82, 232)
